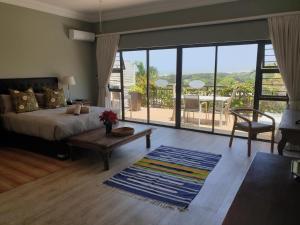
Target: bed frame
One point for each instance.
(11, 139)
(23, 84)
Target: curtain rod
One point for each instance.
(251, 18)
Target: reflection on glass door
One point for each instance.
(198, 66)
(162, 86)
(235, 83)
(135, 85)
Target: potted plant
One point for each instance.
(136, 93)
(109, 118)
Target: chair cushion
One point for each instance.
(257, 127)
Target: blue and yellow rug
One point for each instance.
(167, 175)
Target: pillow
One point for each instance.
(6, 104)
(40, 97)
(24, 101)
(77, 110)
(54, 98)
(83, 110)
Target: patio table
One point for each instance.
(205, 98)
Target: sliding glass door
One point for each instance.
(235, 83)
(162, 86)
(135, 85)
(198, 78)
(205, 82)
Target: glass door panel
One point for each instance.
(198, 65)
(135, 85)
(162, 86)
(235, 83)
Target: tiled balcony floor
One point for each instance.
(164, 116)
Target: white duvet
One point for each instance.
(52, 124)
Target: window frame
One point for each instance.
(260, 70)
(120, 72)
(264, 57)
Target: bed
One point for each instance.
(51, 124)
(46, 129)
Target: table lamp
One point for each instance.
(69, 81)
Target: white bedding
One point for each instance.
(52, 124)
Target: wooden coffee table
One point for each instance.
(98, 141)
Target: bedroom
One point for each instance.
(159, 47)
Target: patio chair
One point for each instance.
(228, 105)
(253, 128)
(225, 108)
(192, 104)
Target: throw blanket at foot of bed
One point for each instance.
(169, 176)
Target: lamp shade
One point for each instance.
(69, 80)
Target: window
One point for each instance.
(115, 78)
(272, 84)
(271, 80)
(272, 97)
(115, 86)
(269, 59)
(195, 87)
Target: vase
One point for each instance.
(108, 127)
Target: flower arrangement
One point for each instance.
(109, 118)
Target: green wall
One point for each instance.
(225, 11)
(36, 44)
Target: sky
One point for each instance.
(234, 58)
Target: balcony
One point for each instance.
(162, 108)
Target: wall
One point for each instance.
(241, 31)
(232, 32)
(36, 44)
(225, 11)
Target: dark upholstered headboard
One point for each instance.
(24, 83)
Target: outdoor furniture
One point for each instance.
(251, 127)
(98, 141)
(197, 84)
(224, 108)
(205, 99)
(127, 104)
(290, 131)
(192, 105)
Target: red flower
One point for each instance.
(108, 116)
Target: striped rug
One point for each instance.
(169, 176)
(18, 167)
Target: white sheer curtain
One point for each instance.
(285, 37)
(107, 47)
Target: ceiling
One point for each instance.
(88, 10)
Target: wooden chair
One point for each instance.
(251, 127)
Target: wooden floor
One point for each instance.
(76, 195)
(18, 167)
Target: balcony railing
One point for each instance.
(164, 97)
